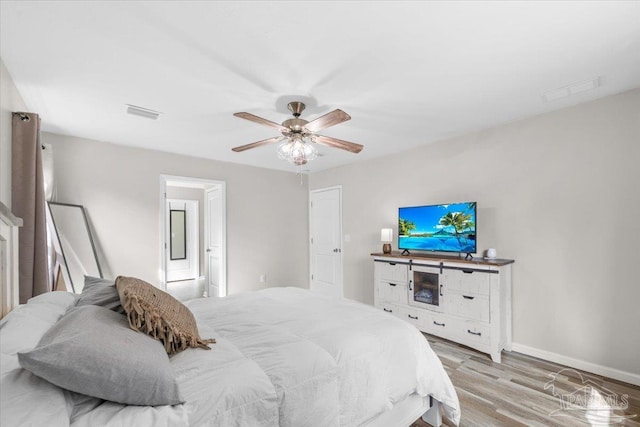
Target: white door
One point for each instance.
(325, 223)
(182, 242)
(214, 242)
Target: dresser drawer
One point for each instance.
(475, 307)
(392, 272)
(438, 324)
(472, 333)
(391, 309)
(473, 282)
(416, 317)
(392, 292)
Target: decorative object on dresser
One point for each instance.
(466, 301)
(386, 237)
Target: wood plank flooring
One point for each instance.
(186, 290)
(513, 393)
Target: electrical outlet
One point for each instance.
(263, 278)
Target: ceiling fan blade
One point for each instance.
(260, 120)
(330, 119)
(257, 144)
(338, 143)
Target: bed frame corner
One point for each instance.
(433, 416)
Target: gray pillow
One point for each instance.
(91, 350)
(102, 292)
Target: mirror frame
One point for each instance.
(86, 223)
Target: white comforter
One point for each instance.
(285, 357)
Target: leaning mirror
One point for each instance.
(71, 231)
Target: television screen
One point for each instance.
(442, 228)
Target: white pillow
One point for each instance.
(21, 330)
(93, 351)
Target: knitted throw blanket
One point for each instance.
(159, 315)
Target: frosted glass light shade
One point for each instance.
(297, 150)
(386, 235)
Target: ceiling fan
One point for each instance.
(299, 136)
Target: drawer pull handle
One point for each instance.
(411, 317)
(392, 263)
(388, 311)
(441, 290)
(467, 271)
(392, 284)
(467, 297)
(438, 324)
(474, 333)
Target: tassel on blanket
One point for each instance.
(158, 314)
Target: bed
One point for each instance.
(283, 357)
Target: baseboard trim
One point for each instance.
(583, 365)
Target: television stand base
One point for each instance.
(405, 252)
(468, 256)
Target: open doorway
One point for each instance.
(184, 228)
(193, 242)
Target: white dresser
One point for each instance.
(466, 301)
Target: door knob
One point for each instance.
(208, 250)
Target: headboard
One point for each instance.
(9, 283)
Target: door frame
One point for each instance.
(319, 190)
(185, 181)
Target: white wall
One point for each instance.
(559, 193)
(267, 218)
(10, 101)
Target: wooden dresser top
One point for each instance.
(446, 258)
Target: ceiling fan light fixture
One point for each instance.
(297, 150)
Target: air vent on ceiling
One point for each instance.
(572, 89)
(142, 112)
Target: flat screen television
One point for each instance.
(438, 228)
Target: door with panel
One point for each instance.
(325, 226)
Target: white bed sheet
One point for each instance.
(285, 357)
(358, 360)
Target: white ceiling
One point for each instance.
(409, 73)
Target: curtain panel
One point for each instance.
(28, 203)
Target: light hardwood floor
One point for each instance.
(513, 393)
(185, 290)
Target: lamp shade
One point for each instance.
(386, 235)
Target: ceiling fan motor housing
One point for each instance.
(296, 125)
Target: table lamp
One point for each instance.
(386, 237)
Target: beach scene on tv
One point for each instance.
(446, 228)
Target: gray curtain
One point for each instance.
(27, 202)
